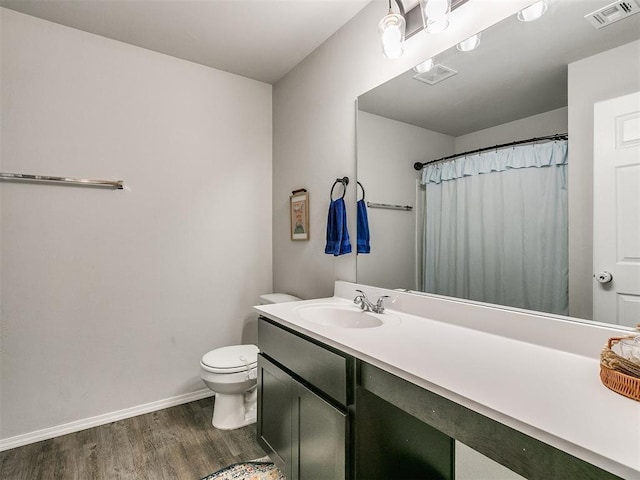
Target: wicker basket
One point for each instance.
(618, 373)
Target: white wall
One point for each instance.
(110, 298)
(547, 123)
(387, 150)
(601, 77)
(314, 122)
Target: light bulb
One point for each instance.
(424, 66)
(533, 12)
(391, 42)
(435, 14)
(437, 26)
(391, 30)
(436, 8)
(469, 44)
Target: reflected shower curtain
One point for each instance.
(495, 227)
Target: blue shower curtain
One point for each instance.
(495, 227)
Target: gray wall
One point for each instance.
(387, 149)
(547, 123)
(314, 121)
(607, 75)
(110, 298)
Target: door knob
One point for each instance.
(604, 277)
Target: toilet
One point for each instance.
(232, 372)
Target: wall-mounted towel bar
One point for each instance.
(23, 177)
(388, 206)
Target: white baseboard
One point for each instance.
(76, 426)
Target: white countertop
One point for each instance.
(552, 394)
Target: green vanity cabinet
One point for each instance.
(392, 444)
(316, 421)
(528, 457)
(304, 394)
(274, 427)
(323, 414)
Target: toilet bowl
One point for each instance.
(232, 373)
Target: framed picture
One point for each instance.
(299, 206)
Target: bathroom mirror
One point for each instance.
(525, 80)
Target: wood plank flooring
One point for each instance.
(177, 443)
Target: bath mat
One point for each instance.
(260, 469)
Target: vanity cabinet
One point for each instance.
(518, 452)
(304, 395)
(391, 443)
(383, 403)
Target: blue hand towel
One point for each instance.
(363, 228)
(337, 235)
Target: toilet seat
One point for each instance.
(232, 359)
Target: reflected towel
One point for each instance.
(363, 228)
(337, 235)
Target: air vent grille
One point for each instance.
(436, 75)
(613, 13)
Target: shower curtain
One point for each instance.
(495, 227)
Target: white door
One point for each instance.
(616, 211)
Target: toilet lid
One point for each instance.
(234, 358)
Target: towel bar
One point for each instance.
(24, 177)
(388, 206)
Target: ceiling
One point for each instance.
(519, 70)
(259, 39)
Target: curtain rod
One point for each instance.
(116, 184)
(557, 136)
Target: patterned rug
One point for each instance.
(260, 469)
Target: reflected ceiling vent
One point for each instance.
(436, 75)
(612, 13)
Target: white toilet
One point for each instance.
(231, 372)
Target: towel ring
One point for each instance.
(344, 181)
(362, 190)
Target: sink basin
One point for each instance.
(343, 316)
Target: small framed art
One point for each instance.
(299, 206)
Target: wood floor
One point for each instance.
(177, 443)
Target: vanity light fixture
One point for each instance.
(391, 30)
(435, 14)
(425, 66)
(533, 12)
(469, 44)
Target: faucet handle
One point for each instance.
(359, 299)
(380, 303)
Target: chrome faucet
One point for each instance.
(366, 304)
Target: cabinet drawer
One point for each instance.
(326, 370)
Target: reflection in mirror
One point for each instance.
(512, 225)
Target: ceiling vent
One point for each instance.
(612, 13)
(436, 75)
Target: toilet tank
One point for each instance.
(269, 298)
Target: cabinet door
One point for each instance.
(321, 432)
(391, 443)
(275, 415)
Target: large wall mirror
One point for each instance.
(552, 199)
